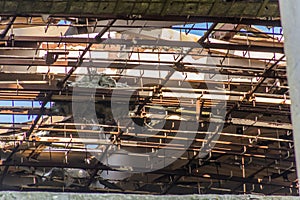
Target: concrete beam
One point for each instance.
(291, 26)
(139, 9)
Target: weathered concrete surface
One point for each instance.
(82, 196)
(222, 8)
(291, 29)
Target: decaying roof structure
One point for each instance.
(147, 97)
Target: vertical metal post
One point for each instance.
(244, 175)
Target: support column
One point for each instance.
(290, 18)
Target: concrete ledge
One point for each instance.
(7, 195)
